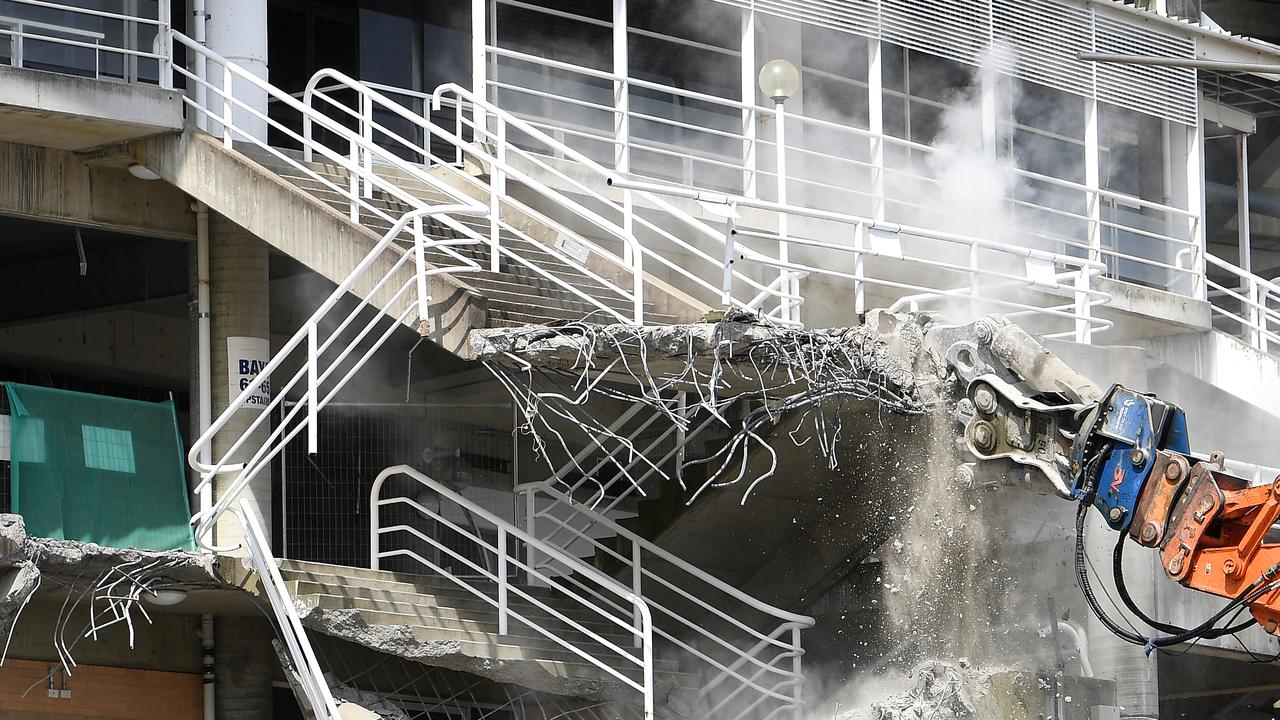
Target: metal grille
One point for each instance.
(856, 16)
(1161, 91)
(953, 29)
(326, 496)
(1048, 38)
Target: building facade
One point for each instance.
(330, 232)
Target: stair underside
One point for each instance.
(433, 620)
(517, 295)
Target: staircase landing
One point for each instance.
(434, 621)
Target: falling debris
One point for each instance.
(811, 375)
(940, 691)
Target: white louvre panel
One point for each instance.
(855, 16)
(955, 29)
(1048, 37)
(1162, 91)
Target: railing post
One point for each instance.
(621, 93)
(458, 129)
(749, 132)
(875, 114)
(726, 282)
(366, 134)
(1255, 326)
(637, 576)
(227, 105)
(497, 188)
(797, 669)
(164, 45)
(784, 245)
(1092, 180)
(530, 526)
(859, 287)
(313, 392)
(420, 260)
(354, 180)
(502, 580)
(375, 531)
(682, 436)
(1084, 329)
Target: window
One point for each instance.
(28, 447)
(108, 449)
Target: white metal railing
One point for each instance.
(319, 361)
(374, 142)
(291, 631)
(78, 40)
(832, 166)
(1244, 304)
(982, 269)
(749, 652)
(621, 609)
(680, 252)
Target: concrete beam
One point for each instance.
(124, 345)
(53, 185)
(1227, 116)
(116, 276)
(77, 113)
(304, 228)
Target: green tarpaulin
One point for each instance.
(98, 469)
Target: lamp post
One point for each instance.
(780, 80)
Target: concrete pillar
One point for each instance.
(244, 660)
(237, 30)
(238, 300)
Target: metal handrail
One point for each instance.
(369, 124)
(1085, 268)
(639, 625)
(161, 50)
(288, 622)
(691, 223)
(751, 144)
(306, 335)
(721, 671)
(1252, 292)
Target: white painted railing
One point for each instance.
(78, 40)
(323, 365)
(726, 146)
(983, 270)
(1244, 304)
(374, 143)
(622, 609)
(749, 652)
(289, 623)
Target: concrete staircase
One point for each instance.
(516, 294)
(433, 620)
(301, 217)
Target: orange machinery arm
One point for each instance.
(1211, 528)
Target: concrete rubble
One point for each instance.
(400, 641)
(736, 348)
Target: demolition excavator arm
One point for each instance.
(1029, 419)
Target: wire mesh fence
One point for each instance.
(326, 506)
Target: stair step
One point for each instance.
(459, 606)
(518, 295)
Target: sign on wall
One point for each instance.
(246, 357)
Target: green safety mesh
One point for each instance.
(98, 469)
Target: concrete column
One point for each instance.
(237, 30)
(238, 300)
(243, 659)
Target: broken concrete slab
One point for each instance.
(739, 355)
